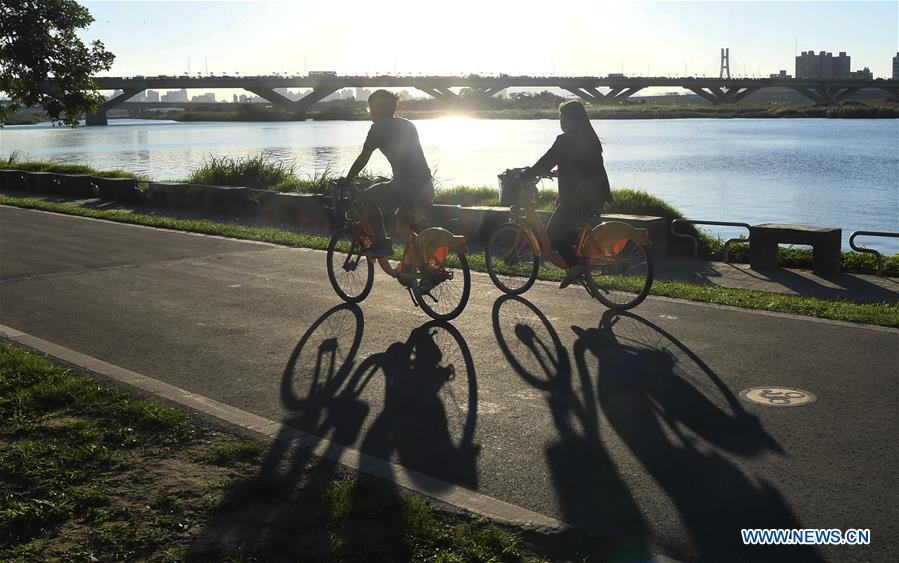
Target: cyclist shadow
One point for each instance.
(429, 412)
(591, 493)
(680, 422)
(427, 423)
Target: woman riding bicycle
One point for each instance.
(583, 183)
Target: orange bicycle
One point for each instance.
(619, 272)
(433, 267)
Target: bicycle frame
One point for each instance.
(541, 243)
(599, 246)
(419, 249)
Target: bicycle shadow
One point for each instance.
(259, 514)
(591, 493)
(428, 389)
(429, 413)
(682, 423)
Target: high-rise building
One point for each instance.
(864, 74)
(823, 66)
(152, 96)
(175, 96)
(896, 67)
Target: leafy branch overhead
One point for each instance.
(44, 63)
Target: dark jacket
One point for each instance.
(582, 174)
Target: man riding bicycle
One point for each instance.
(411, 189)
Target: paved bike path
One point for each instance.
(620, 424)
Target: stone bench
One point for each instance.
(825, 243)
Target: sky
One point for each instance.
(574, 37)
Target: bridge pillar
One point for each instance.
(98, 117)
(892, 91)
(441, 94)
(723, 95)
(298, 107)
(446, 95)
(592, 95)
(826, 94)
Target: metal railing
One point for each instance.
(695, 242)
(871, 250)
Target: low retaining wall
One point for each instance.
(308, 211)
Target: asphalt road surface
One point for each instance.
(626, 425)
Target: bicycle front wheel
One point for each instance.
(351, 273)
(442, 290)
(623, 279)
(512, 261)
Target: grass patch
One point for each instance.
(375, 523)
(59, 432)
(15, 162)
(71, 489)
(886, 314)
(229, 454)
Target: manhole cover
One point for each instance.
(778, 396)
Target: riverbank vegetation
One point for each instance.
(16, 162)
(544, 108)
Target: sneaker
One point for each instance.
(381, 248)
(574, 273)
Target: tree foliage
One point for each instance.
(44, 62)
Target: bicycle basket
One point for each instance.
(513, 190)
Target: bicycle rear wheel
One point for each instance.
(350, 272)
(623, 279)
(442, 290)
(512, 261)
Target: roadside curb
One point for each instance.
(260, 427)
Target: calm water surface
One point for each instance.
(839, 173)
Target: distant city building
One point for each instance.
(207, 98)
(242, 98)
(823, 66)
(782, 75)
(152, 96)
(362, 93)
(140, 97)
(896, 67)
(864, 74)
(175, 96)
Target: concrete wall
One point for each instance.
(309, 213)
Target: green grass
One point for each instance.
(790, 257)
(886, 314)
(375, 523)
(229, 454)
(77, 483)
(59, 431)
(14, 162)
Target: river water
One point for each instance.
(823, 172)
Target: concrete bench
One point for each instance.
(825, 242)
